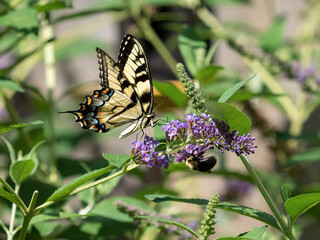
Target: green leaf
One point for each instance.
(53, 5)
(235, 238)
(171, 222)
(273, 38)
(208, 74)
(312, 155)
(44, 223)
(21, 19)
(297, 205)
(231, 115)
(104, 189)
(246, 211)
(2, 225)
(164, 198)
(214, 3)
(173, 93)
(165, 3)
(192, 49)
(5, 127)
(9, 84)
(32, 155)
(107, 208)
(44, 217)
(116, 160)
(45, 228)
(65, 190)
(227, 94)
(8, 196)
(210, 53)
(255, 234)
(285, 192)
(249, 212)
(91, 228)
(20, 170)
(12, 153)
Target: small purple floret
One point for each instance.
(146, 154)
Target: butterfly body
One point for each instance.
(126, 95)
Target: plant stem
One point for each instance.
(50, 78)
(22, 206)
(13, 215)
(284, 227)
(153, 38)
(30, 214)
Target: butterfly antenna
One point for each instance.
(73, 112)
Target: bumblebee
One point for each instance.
(200, 163)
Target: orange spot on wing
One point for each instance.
(106, 91)
(96, 93)
(89, 100)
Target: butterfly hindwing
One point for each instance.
(126, 95)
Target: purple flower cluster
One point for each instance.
(200, 133)
(235, 189)
(303, 74)
(145, 153)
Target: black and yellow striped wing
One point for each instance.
(126, 95)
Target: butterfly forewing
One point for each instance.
(133, 62)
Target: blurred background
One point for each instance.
(53, 61)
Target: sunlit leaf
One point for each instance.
(53, 5)
(312, 155)
(255, 234)
(173, 93)
(232, 90)
(8, 196)
(246, 211)
(21, 19)
(285, 192)
(208, 74)
(273, 38)
(5, 127)
(237, 120)
(116, 160)
(214, 3)
(66, 189)
(297, 205)
(12, 152)
(9, 84)
(20, 170)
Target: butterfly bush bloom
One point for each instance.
(200, 133)
(192, 138)
(146, 154)
(302, 74)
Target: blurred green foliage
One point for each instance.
(31, 39)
